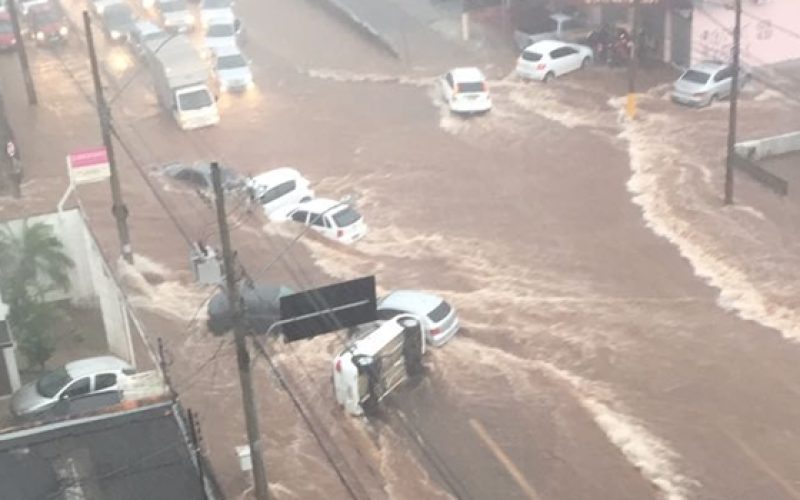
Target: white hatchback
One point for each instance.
(550, 58)
(465, 91)
(279, 188)
(216, 11)
(222, 36)
(333, 219)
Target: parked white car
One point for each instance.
(373, 364)
(216, 11)
(465, 91)
(279, 188)
(97, 6)
(232, 70)
(437, 316)
(333, 219)
(77, 378)
(549, 59)
(222, 36)
(175, 15)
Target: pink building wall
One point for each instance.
(770, 31)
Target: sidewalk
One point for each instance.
(428, 33)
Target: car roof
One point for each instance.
(467, 74)
(277, 175)
(410, 300)
(321, 204)
(545, 46)
(708, 66)
(558, 16)
(147, 27)
(89, 366)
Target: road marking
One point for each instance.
(503, 458)
(761, 463)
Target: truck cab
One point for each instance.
(379, 358)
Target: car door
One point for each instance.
(557, 61)
(77, 388)
(319, 223)
(276, 196)
(723, 81)
(571, 58)
(105, 382)
(300, 216)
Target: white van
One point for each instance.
(374, 363)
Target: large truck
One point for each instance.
(181, 81)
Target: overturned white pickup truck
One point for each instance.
(379, 358)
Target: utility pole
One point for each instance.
(22, 54)
(242, 355)
(737, 36)
(118, 207)
(633, 64)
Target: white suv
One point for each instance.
(550, 58)
(465, 91)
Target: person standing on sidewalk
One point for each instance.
(14, 164)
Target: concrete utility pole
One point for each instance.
(22, 54)
(634, 62)
(242, 355)
(118, 207)
(737, 36)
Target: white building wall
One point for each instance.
(770, 31)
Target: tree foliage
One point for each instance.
(33, 263)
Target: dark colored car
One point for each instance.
(7, 39)
(47, 24)
(118, 22)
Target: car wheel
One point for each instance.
(712, 100)
(585, 63)
(549, 76)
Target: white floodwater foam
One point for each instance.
(650, 454)
(652, 159)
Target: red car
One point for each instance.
(47, 24)
(7, 39)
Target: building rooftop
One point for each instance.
(137, 454)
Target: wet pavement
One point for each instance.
(625, 336)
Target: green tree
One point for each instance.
(33, 263)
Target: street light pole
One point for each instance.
(634, 62)
(22, 54)
(242, 355)
(118, 207)
(732, 117)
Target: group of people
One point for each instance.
(614, 46)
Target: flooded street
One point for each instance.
(625, 336)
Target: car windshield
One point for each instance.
(531, 56)
(470, 87)
(197, 99)
(216, 4)
(231, 62)
(346, 217)
(221, 30)
(52, 382)
(440, 312)
(173, 6)
(695, 76)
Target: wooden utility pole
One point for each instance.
(239, 332)
(118, 208)
(22, 54)
(732, 117)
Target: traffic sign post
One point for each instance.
(85, 167)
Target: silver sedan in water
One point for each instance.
(437, 316)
